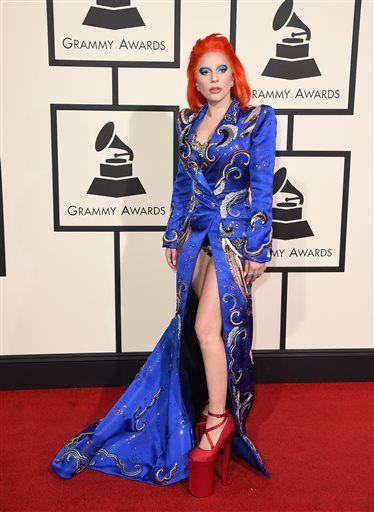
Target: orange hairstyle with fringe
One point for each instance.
(216, 43)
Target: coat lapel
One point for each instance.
(219, 142)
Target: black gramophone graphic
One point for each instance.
(287, 214)
(292, 60)
(113, 14)
(114, 178)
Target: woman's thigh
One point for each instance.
(199, 272)
(208, 317)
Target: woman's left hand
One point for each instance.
(253, 270)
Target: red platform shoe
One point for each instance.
(202, 462)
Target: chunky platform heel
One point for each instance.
(202, 462)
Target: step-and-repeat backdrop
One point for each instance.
(90, 94)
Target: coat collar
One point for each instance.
(220, 140)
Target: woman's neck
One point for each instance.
(216, 110)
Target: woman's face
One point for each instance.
(214, 76)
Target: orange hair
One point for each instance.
(216, 43)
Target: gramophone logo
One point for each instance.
(116, 179)
(292, 60)
(114, 15)
(288, 220)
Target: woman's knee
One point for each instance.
(204, 329)
(208, 324)
(206, 333)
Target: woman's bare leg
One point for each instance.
(208, 326)
(199, 272)
(197, 284)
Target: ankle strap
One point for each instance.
(226, 413)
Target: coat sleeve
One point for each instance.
(182, 190)
(261, 174)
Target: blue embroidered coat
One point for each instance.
(222, 198)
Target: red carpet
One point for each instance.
(316, 441)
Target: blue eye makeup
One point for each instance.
(222, 68)
(204, 70)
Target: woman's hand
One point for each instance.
(171, 257)
(253, 270)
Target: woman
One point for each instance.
(218, 239)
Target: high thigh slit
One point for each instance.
(193, 378)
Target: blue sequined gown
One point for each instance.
(221, 203)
